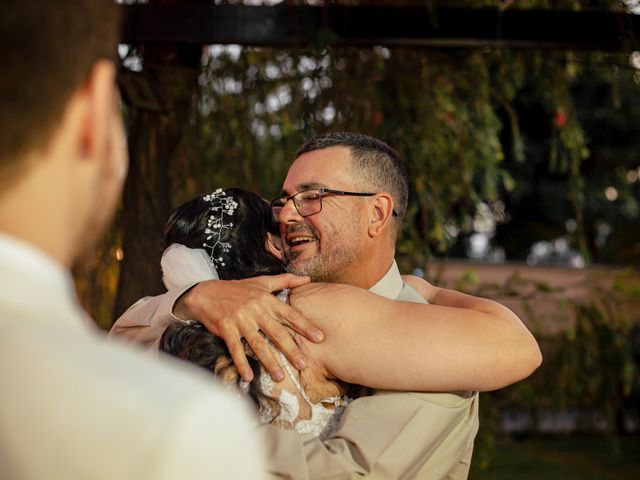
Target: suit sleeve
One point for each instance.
(390, 435)
(145, 321)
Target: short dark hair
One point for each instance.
(47, 49)
(374, 164)
(252, 220)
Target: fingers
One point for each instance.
(236, 349)
(283, 339)
(273, 283)
(265, 355)
(244, 309)
(226, 370)
(284, 313)
(299, 323)
(260, 348)
(295, 280)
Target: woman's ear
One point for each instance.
(274, 246)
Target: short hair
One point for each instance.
(374, 165)
(47, 49)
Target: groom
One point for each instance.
(72, 405)
(340, 212)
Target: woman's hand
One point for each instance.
(245, 309)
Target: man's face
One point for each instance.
(326, 245)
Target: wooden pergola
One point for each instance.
(287, 25)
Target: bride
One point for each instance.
(231, 235)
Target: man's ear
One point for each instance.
(98, 96)
(381, 212)
(274, 246)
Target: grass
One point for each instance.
(575, 457)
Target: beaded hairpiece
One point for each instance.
(221, 205)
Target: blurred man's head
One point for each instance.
(349, 235)
(61, 137)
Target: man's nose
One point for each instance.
(289, 213)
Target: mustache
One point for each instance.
(300, 228)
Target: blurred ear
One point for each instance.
(99, 151)
(274, 246)
(98, 97)
(381, 210)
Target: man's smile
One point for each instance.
(297, 241)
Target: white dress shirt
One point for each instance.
(73, 406)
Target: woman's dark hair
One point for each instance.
(191, 342)
(247, 257)
(252, 220)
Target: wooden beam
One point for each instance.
(286, 25)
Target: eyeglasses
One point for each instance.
(309, 202)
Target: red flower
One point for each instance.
(560, 119)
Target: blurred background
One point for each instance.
(524, 166)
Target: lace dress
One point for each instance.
(305, 400)
(295, 409)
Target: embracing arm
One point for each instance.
(461, 343)
(458, 342)
(231, 309)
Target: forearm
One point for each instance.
(477, 345)
(453, 298)
(144, 321)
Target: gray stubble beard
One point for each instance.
(326, 266)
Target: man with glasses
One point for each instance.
(340, 211)
(338, 238)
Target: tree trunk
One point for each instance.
(154, 144)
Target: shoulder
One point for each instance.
(83, 360)
(319, 296)
(319, 288)
(100, 393)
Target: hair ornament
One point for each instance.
(221, 205)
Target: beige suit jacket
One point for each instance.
(390, 435)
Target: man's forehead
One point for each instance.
(326, 168)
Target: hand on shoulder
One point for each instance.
(246, 309)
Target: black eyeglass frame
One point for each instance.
(322, 193)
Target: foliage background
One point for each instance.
(531, 154)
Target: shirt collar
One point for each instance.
(390, 285)
(35, 282)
